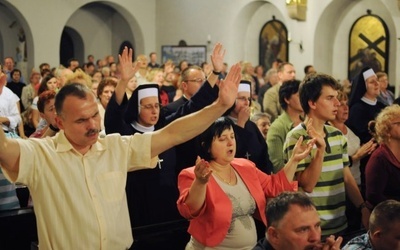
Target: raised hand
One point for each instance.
(126, 67)
(300, 150)
(368, 148)
(3, 79)
(228, 88)
(202, 170)
(319, 139)
(217, 57)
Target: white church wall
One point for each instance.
(47, 28)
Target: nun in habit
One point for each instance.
(151, 193)
(250, 143)
(364, 107)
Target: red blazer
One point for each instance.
(211, 225)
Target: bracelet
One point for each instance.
(54, 128)
(216, 73)
(350, 161)
(363, 205)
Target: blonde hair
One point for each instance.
(79, 76)
(152, 73)
(384, 121)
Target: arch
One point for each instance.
(117, 26)
(71, 46)
(11, 22)
(331, 46)
(368, 45)
(248, 23)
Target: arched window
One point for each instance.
(368, 45)
(273, 43)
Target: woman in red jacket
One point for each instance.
(221, 194)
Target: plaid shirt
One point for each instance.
(361, 242)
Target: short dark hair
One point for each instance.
(72, 59)
(212, 132)
(310, 88)
(15, 70)
(279, 206)
(287, 89)
(306, 68)
(43, 65)
(90, 64)
(384, 215)
(73, 89)
(44, 98)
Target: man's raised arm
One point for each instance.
(9, 153)
(192, 125)
(9, 148)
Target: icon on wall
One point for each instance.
(368, 45)
(273, 43)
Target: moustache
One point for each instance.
(92, 132)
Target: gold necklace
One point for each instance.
(222, 178)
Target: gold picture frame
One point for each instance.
(273, 43)
(368, 45)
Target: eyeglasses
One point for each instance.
(198, 80)
(243, 98)
(151, 106)
(373, 81)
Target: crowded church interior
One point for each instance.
(194, 125)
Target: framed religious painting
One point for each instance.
(368, 45)
(193, 54)
(273, 43)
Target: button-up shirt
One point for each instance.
(80, 200)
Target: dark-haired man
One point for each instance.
(325, 174)
(293, 223)
(384, 229)
(309, 69)
(290, 118)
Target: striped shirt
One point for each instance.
(8, 195)
(329, 193)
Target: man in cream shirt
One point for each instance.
(77, 180)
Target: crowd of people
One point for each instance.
(253, 158)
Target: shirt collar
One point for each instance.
(369, 101)
(142, 128)
(62, 144)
